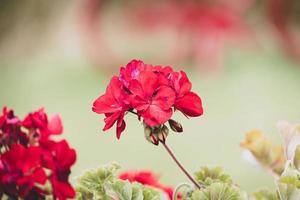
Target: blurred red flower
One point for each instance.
(63, 158)
(21, 168)
(147, 178)
(27, 152)
(38, 121)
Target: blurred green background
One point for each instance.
(253, 88)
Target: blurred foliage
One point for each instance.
(206, 176)
(289, 183)
(270, 156)
(216, 185)
(103, 184)
(265, 194)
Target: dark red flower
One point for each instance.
(21, 169)
(38, 121)
(148, 178)
(63, 158)
(10, 129)
(27, 151)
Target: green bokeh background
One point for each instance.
(253, 91)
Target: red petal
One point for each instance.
(105, 104)
(65, 156)
(155, 115)
(110, 120)
(149, 82)
(120, 128)
(136, 88)
(190, 104)
(165, 98)
(181, 83)
(62, 190)
(110, 101)
(39, 176)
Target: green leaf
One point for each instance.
(151, 194)
(265, 195)
(137, 191)
(206, 176)
(103, 184)
(219, 191)
(123, 189)
(289, 183)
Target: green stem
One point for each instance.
(175, 193)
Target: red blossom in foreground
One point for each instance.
(147, 178)
(153, 93)
(29, 158)
(21, 168)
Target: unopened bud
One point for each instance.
(150, 136)
(162, 135)
(175, 126)
(154, 140)
(147, 131)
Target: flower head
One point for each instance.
(151, 92)
(39, 124)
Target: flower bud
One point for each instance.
(154, 140)
(150, 136)
(162, 135)
(175, 126)
(147, 131)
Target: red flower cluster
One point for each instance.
(153, 91)
(29, 158)
(147, 178)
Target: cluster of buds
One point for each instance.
(159, 133)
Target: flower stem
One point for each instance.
(180, 165)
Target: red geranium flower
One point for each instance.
(153, 91)
(147, 178)
(10, 129)
(38, 121)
